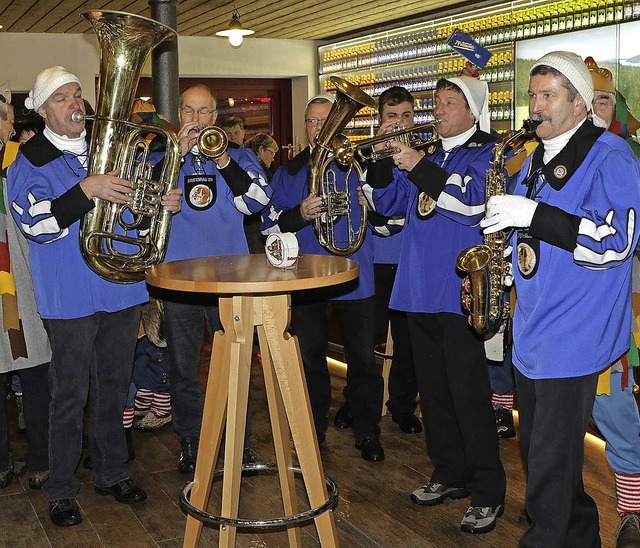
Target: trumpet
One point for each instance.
(212, 142)
(345, 151)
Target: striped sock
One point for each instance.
(628, 493)
(161, 404)
(127, 417)
(506, 400)
(143, 400)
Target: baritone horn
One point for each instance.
(347, 152)
(120, 241)
(325, 182)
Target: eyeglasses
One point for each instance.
(272, 152)
(200, 112)
(314, 121)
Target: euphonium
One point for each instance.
(323, 182)
(483, 288)
(110, 234)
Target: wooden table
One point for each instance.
(253, 294)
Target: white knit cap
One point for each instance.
(325, 96)
(477, 95)
(573, 67)
(47, 82)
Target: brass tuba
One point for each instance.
(322, 181)
(111, 235)
(483, 288)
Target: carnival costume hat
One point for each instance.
(47, 82)
(570, 65)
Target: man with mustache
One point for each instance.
(575, 213)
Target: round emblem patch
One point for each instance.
(200, 196)
(527, 258)
(560, 172)
(426, 204)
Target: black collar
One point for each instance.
(299, 161)
(560, 169)
(39, 150)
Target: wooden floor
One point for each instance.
(374, 508)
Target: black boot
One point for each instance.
(188, 454)
(128, 432)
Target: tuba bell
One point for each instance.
(322, 181)
(120, 241)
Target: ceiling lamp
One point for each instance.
(235, 31)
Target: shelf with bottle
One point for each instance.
(424, 76)
(504, 23)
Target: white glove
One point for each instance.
(508, 211)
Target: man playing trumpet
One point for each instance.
(441, 193)
(218, 193)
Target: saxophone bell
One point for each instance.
(483, 288)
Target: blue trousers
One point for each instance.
(617, 419)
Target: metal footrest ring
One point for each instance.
(271, 523)
(380, 351)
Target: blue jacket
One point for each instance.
(442, 201)
(215, 203)
(47, 203)
(572, 268)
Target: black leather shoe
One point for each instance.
(188, 454)
(343, 418)
(64, 512)
(125, 491)
(370, 449)
(408, 423)
(36, 479)
(629, 531)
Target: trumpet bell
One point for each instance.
(212, 142)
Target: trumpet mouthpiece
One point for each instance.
(77, 116)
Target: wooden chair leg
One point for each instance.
(287, 362)
(386, 369)
(280, 429)
(241, 350)
(214, 412)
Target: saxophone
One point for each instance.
(483, 289)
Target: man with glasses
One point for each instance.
(292, 209)
(218, 193)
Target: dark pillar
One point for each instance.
(164, 70)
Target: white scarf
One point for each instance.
(75, 145)
(553, 146)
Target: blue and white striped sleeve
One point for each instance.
(247, 181)
(606, 233)
(460, 196)
(31, 201)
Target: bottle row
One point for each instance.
(425, 77)
(516, 23)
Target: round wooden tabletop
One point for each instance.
(247, 274)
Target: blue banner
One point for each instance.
(469, 48)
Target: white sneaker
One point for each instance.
(480, 519)
(433, 493)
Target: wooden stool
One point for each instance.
(385, 353)
(255, 295)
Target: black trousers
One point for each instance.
(363, 393)
(460, 429)
(403, 388)
(35, 398)
(554, 415)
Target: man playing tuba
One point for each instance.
(92, 323)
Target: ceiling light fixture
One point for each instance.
(235, 31)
